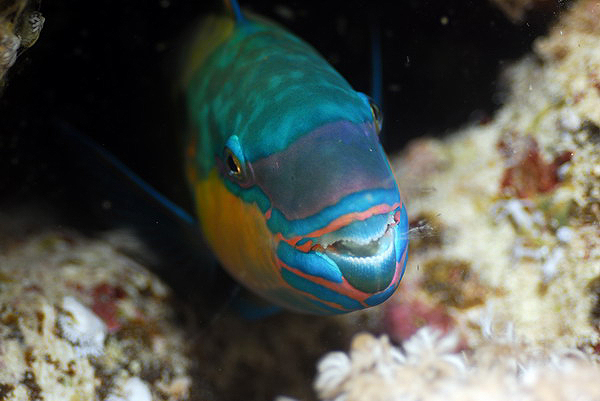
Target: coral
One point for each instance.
(82, 328)
(428, 368)
(57, 340)
(133, 389)
(515, 200)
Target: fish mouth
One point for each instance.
(364, 251)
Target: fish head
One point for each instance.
(316, 227)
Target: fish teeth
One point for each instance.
(379, 256)
(331, 238)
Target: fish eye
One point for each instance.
(377, 115)
(234, 167)
(233, 163)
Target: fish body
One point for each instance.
(293, 191)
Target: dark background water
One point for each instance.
(106, 68)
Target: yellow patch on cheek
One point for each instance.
(237, 233)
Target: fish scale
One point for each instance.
(284, 156)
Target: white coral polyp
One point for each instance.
(82, 328)
(333, 370)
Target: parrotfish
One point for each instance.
(293, 191)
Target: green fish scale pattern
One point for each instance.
(269, 88)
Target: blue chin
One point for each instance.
(369, 267)
(367, 254)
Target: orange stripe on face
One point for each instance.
(341, 222)
(343, 288)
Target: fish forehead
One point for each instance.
(267, 87)
(324, 166)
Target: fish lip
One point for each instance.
(350, 247)
(369, 267)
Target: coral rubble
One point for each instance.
(79, 321)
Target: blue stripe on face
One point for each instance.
(296, 300)
(382, 296)
(401, 244)
(355, 202)
(312, 263)
(319, 291)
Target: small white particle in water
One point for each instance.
(444, 20)
(81, 327)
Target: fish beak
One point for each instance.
(364, 251)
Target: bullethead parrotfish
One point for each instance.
(293, 191)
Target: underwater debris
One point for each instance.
(426, 233)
